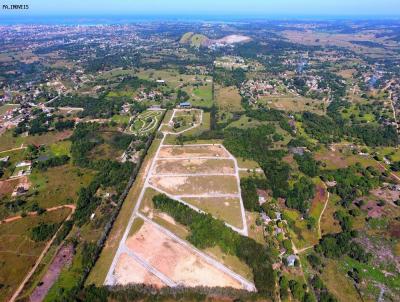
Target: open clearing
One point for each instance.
(196, 185)
(193, 151)
(224, 208)
(18, 252)
(184, 166)
(123, 273)
(228, 99)
(175, 261)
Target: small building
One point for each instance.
(185, 105)
(23, 164)
(4, 159)
(298, 150)
(291, 260)
(160, 81)
(262, 196)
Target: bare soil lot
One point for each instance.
(63, 258)
(186, 166)
(196, 185)
(176, 261)
(128, 271)
(193, 151)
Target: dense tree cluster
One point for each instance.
(352, 182)
(249, 194)
(299, 197)
(52, 162)
(328, 130)
(307, 164)
(43, 231)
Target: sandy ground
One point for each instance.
(128, 271)
(176, 261)
(190, 185)
(386, 194)
(192, 151)
(63, 258)
(185, 166)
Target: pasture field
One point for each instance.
(200, 96)
(185, 166)
(341, 159)
(228, 99)
(61, 148)
(338, 284)
(294, 103)
(195, 185)
(224, 208)
(18, 252)
(121, 119)
(329, 225)
(172, 77)
(7, 141)
(53, 189)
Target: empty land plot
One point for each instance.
(193, 166)
(229, 99)
(196, 185)
(193, 151)
(18, 252)
(223, 208)
(129, 271)
(294, 103)
(176, 261)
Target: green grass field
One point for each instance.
(228, 99)
(226, 209)
(58, 185)
(18, 252)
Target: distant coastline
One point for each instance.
(121, 19)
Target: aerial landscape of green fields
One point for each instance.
(202, 151)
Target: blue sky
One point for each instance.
(210, 7)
